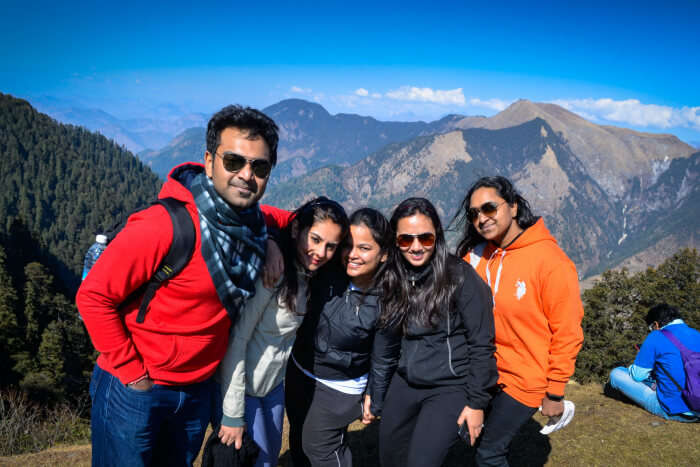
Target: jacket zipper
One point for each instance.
(347, 300)
(449, 349)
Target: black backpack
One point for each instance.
(178, 256)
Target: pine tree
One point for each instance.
(10, 335)
(38, 304)
(46, 381)
(614, 311)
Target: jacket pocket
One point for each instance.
(337, 358)
(157, 350)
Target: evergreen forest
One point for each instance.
(61, 185)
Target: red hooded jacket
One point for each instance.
(186, 330)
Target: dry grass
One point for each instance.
(26, 426)
(604, 432)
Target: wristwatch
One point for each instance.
(554, 398)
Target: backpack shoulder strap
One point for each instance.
(670, 377)
(179, 253)
(674, 340)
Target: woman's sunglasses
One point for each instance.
(488, 209)
(406, 240)
(235, 162)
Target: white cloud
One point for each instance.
(376, 95)
(300, 90)
(494, 104)
(633, 112)
(437, 96)
(361, 92)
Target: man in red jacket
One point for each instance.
(151, 388)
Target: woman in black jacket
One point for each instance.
(444, 313)
(339, 354)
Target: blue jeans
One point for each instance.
(641, 394)
(162, 426)
(264, 418)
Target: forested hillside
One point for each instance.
(60, 185)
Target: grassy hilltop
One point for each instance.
(604, 432)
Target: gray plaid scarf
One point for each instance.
(233, 244)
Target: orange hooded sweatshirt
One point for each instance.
(537, 312)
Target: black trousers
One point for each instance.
(318, 421)
(419, 425)
(504, 417)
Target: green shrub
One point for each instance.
(614, 310)
(28, 427)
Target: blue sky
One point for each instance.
(634, 64)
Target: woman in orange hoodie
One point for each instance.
(537, 309)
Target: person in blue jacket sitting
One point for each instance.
(646, 381)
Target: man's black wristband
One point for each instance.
(554, 398)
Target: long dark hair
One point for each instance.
(382, 233)
(317, 210)
(524, 217)
(426, 304)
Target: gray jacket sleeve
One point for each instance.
(232, 371)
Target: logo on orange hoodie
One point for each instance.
(520, 289)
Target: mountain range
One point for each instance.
(310, 138)
(608, 194)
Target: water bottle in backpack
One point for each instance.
(93, 253)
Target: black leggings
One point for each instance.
(318, 421)
(504, 417)
(419, 425)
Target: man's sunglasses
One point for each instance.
(406, 240)
(488, 209)
(235, 162)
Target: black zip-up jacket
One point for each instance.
(339, 339)
(459, 350)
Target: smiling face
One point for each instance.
(317, 244)
(241, 189)
(362, 256)
(416, 254)
(500, 227)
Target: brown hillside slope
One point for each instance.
(604, 432)
(610, 154)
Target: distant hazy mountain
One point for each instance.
(187, 146)
(594, 228)
(341, 138)
(310, 137)
(136, 134)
